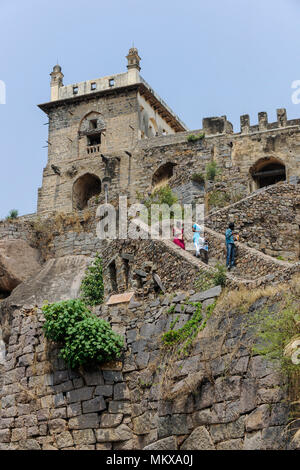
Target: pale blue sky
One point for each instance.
(203, 58)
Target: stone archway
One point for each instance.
(84, 188)
(267, 171)
(163, 174)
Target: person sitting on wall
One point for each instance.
(230, 238)
(178, 235)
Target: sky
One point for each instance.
(222, 57)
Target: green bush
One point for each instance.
(13, 214)
(84, 338)
(194, 138)
(61, 316)
(219, 276)
(92, 286)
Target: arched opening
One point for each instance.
(163, 174)
(84, 188)
(268, 171)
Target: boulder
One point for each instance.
(18, 262)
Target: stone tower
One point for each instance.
(93, 126)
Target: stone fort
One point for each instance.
(115, 136)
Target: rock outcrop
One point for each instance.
(18, 262)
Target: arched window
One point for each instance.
(163, 174)
(84, 188)
(267, 171)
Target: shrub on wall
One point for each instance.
(211, 170)
(92, 286)
(195, 137)
(84, 338)
(198, 178)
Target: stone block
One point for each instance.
(199, 439)
(64, 440)
(57, 426)
(87, 421)
(144, 423)
(84, 437)
(258, 419)
(119, 407)
(172, 425)
(74, 409)
(5, 435)
(121, 392)
(80, 394)
(104, 390)
(96, 404)
(120, 433)
(110, 420)
(93, 378)
(112, 376)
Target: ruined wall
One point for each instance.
(268, 221)
(219, 397)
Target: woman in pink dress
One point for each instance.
(178, 235)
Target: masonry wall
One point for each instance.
(268, 221)
(219, 397)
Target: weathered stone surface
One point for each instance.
(57, 425)
(258, 419)
(144, 423)
(58, 279)
(208, 294)
(4, 435)
(18, 262)
(253, 441)
(228, 431)
(172, 425)
(232, 444)
(119, 407)
(121, 433)
(200, 439)
(96, 404)
(84, 421)
(104, 390)
(80, 394)
(64, 440)
(121, 392)
(74, 409)
(84, 437)
(169, 443)
(110, 420)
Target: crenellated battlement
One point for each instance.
(263, 123)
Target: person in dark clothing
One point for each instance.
(230, 246)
